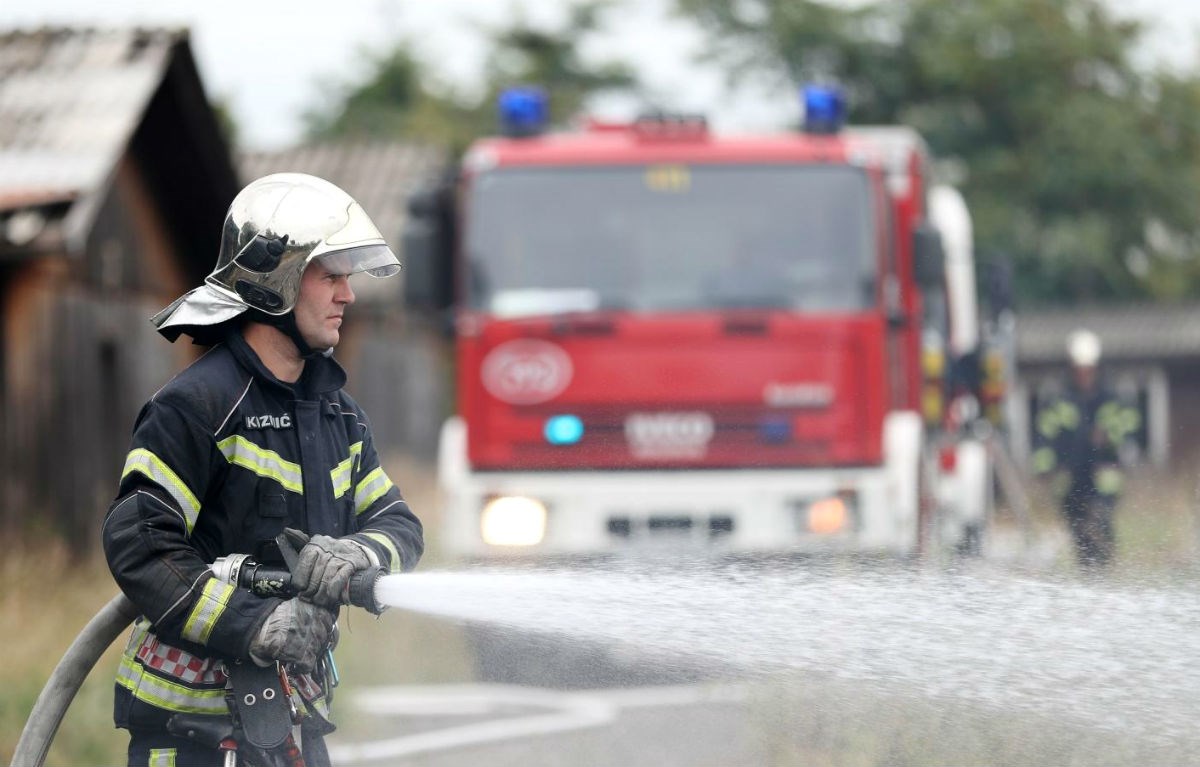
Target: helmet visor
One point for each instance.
(377, 260)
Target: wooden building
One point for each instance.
(114, 180)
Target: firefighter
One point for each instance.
(254, 437)
(1079, 437)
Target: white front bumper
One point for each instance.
(595, 512)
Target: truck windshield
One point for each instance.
(671, 238)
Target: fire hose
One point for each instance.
(68, 676)
(100, 632)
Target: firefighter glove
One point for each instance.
(296, 632)
(324, 568)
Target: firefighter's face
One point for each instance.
(323, 299)
(1085, 376)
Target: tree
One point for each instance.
(524, 54)
(393, 102)
(400, 99)
(1077, 164)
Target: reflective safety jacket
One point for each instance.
(222, 459)
(1081, 434)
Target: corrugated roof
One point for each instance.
(1139, 332)
(70, 100)
(380, 176)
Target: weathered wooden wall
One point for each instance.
(77, 368)
(80, 358)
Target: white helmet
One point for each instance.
(273, 229)
(1083, 347)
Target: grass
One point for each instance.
(45, 600)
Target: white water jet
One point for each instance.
(1122, 658)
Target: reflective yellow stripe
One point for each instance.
(396, 565)
(371, 489)
(159, 692)
(322, 707)
(1108, 480)
(340, 475)
(141, 627)
(1044, 460)
(265, 463)
(1068, 415)
(143, 461)
(162, 757)
(1047, 423)
(208, 610)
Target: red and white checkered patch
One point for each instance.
(182, 665)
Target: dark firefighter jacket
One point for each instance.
(1080, 434)
(222, 459)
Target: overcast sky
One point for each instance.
(268, 58)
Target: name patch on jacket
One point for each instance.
(269, 421)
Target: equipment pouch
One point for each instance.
(260, 706)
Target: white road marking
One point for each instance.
(562, 712)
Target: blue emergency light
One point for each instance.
(824, 108)
(522, 110)
(563, 430)
(775, 431)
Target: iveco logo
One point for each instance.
(668, 435)
(526, 371)
(269, 421)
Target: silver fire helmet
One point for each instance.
(274, 228)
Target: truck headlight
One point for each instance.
(832, 515)
(827, 516)
(513, 520)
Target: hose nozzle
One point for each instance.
(244, 572)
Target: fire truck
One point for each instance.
(666, 336)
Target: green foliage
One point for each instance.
(400, 97)
(524, 54)
(393, 102)
(1078, 165)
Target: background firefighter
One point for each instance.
(254, 437)
(1079, 437)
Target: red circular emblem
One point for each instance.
(526, 371)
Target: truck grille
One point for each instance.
(667, 525)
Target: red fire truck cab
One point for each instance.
(665, 335)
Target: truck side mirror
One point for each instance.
(424, 203)
(929, 259)
(426, 242)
